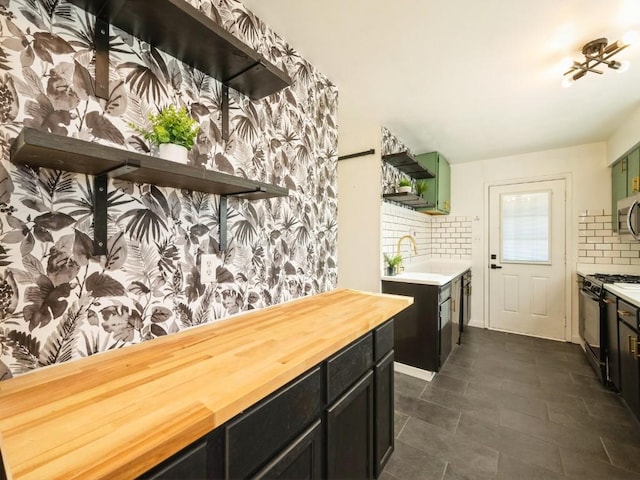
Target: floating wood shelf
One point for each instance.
(410, 199)
(179, 29)
(41, 149)
(407, 163)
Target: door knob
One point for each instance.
(495, 267)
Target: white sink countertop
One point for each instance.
(434, 272)
(629, 292)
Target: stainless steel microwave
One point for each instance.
(629, 217)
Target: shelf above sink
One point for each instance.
(410, 199)
(407, 163)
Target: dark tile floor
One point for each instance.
(509, 407)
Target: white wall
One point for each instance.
(625, 137)
(359, 199)
(588, 184)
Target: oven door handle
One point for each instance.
(633, 233)
(587, 293)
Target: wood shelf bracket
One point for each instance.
(101, 203)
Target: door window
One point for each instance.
(525, 227)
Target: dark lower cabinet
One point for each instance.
(191, 463)
(333, 421)
(423, 331)
(629, 370)
(350, 432)
(383, 418)
(613, 347)
(264, 431)
(302, 460)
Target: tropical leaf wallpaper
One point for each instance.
(390, 174)
(59, 301)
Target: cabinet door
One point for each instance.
(633, 172)
(613, 348)
(383, 408)
(260, 434)
(350, 432)
(618, 188)
(444, 185)
(302, 460)
(629, 371)
(445, 343)
(456, 310)
(188, 464)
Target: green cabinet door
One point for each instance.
(625, 181)
(438, 188)
(633, 172)
(444, 185)
(618, 188)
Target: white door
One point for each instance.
(527, 258)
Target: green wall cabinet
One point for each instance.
(625, 181)
(439, 188)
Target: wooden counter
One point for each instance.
(117, 414)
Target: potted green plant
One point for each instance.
(421, 187)
(404, 186)
(392, 262)
(173, 130)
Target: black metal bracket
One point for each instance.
(225, 112)
(101, 42)
(359, 154)
(222, 214)
(100, 204)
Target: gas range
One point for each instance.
(595, 282)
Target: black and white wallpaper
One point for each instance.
(60, 302)
(390, 174)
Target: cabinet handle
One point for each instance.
(624, 313)
(633, 345)
(608, 301)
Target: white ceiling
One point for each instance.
(472, 79)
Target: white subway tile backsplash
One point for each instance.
(436, 236)
(603, 260)
(621, 261)
(597, 243)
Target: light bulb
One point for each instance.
(630, 37)
(624, 66)
(567, 82)
(566, 63)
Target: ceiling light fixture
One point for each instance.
(596, 53)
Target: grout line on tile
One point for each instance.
(444, 472)
(606, 451)
(403, 425)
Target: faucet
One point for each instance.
(413, 242)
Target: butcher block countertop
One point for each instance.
(117, 414)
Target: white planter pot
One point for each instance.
(175, 153)
(404, 189)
